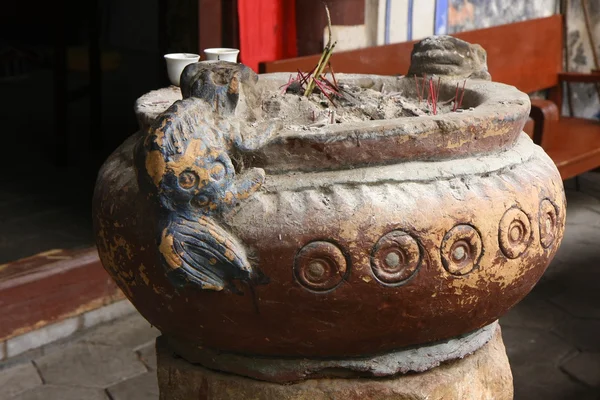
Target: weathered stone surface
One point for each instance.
(534, 312)
(538, 381)
(142, 387)
(584, 367)
(90, 365)
(581, 333)
(583, 210)
(17, 379)
(448, 56)
(288, 370)
(580, 302)
(483, 375)
(132, 331)
(147, 354)
(530, 344)
(576, 249)
(53, 392)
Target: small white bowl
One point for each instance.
(222, 54)
(176, 62)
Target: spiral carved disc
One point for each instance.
(320, 266)
(514, 233)
(548, 223)
(395, 257)
(461, 249)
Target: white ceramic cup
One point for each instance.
(222, 54)
(176, 62)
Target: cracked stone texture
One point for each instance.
(90, 365)
(535, 346)
(147, 354)
(18, 379)
(584, 367)
(142, 387)
(534, 312)
(130, 332)
(582, 334)
(552, 337)
(545, 382)
(51, 392)
(483, 375)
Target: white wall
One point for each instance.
(377, 21)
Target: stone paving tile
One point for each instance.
(546, 288)
(584, 367)
(131, 332)
(590, 184)
(52, 392)
(526, 346)
(583, 302)
(583, 334)
(582, 209)
(546, 382)
(142, 387)
(534, 312)
(147, 354)
(578, 249)
(90, 365)
(17, 379)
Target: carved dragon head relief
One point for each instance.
(184, 163)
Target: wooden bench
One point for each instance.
(527, 55)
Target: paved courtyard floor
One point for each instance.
(552, 337)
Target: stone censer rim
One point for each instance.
(496, 117)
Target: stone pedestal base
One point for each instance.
(484, 375)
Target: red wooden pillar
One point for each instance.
(210, 24)
(267, 30)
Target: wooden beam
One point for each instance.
(230, 28)
(210, 24)
(311, 20)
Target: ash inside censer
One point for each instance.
(352, 103)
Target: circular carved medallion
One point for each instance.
(395, 257)
(320, 266)
(514, 233)
(548, 223)
(461, 249)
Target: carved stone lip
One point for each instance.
(492, 120)
(494, 117)
(439, 56)
(288, 370)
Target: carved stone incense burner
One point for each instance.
(279, 251)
